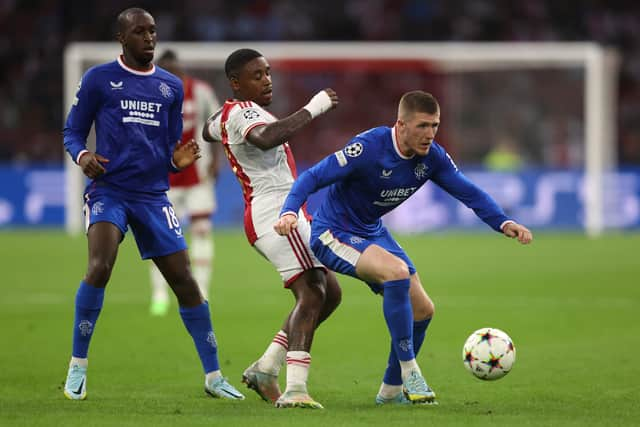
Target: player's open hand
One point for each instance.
(515, 230)
(285, 224)
(185, 154)
(91, 164)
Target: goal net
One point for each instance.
(551, 105)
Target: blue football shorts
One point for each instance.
(154, 223)
(339, 250)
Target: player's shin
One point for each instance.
(399, 317)
(298, 363)
(197, 320)
(275, 354)
(88, 305)
(392, 375)
(201, 252)
(159, 293)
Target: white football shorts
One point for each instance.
(290, 255)
(196, 200)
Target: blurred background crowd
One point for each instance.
(34, 34)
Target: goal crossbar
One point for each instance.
(600, 66)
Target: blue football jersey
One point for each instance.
(138, 122)
(370, 177)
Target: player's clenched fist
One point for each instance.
(91, 164)
(285, 224)
(322, 102)
(515, 230)
(185, 154)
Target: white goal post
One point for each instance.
(600, 66)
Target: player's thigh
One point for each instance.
(156, 228)
(290, 255)
(199, 200)
(374, 259)
(377, 265)
(178, 198)
(422, 305)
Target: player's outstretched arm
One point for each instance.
(518, 231)
(286, 223)
(279, 132)
(91, 164)
(185, 154)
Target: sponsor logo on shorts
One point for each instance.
(97, 208)
(356, 240)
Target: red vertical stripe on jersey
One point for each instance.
(189, 175)
(243, 178)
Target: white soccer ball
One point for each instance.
(489, 354)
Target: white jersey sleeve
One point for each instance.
(243, 119)
(213, 127)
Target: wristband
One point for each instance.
(320, 103)
(80, 155)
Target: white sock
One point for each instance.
(201, 252)
(212, 376)
(298, 363)
(274, 356)
(409, 366)
(80, 361)
(388, 391)
(159, 287)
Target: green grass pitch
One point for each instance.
(571, 305)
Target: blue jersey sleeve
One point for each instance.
(81, 116)
(331, 169)
(449, 178)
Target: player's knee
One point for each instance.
(99, 272)
(423, 309)
(201, 227)
(397, 270)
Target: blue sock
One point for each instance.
(88, 305)
(198, 322)
(392, 375)
(396, 305)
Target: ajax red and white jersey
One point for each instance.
(266, 176)
(199, 104)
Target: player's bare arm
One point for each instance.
(214, 166)
(286, 223)
(518, 231)
(185, 154)
(91, 164)
(277, 133)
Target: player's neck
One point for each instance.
(135, 65)
(400, 144)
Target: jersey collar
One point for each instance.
(136, 72)
(394, 138)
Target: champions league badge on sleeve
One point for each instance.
(354, 150)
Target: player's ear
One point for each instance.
(234, 82)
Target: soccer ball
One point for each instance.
(488, 354)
